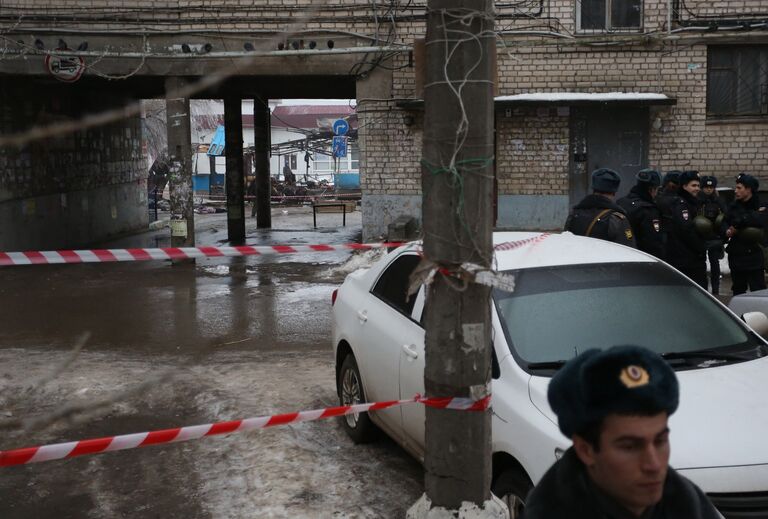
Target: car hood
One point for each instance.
(721, 420)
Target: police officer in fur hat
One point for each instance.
(713, 208)
(614, 405)
(686, 245)
(644, 216)
(668, 191)
(665, 197)
(743, 227)
(597, 215)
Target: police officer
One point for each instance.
(664, 199)
(713, 209)
(686, 247)
(597, 215)
(605, 400)
(643, 214)
(668, 192)
(743, 227)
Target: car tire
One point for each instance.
(359, 426)
(512, 487)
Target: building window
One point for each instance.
(328, 164)
(609, 15)
(737, 80)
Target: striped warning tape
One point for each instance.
(281, 197)
(172, 253)
(59, 451)
(180, 253)
(510, 245)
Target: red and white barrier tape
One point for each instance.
(59, 451)
(521, 243)
(174, 253)
(280, 197)
(180, 253)
(483, 275)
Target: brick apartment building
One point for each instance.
(692, 94)
(690, 78)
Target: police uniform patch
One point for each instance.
(656, 225)
(634, 376)
(685, 214)
(628, 233)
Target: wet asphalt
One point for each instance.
(174, 345)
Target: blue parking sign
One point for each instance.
(339, 146)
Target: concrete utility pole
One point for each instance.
(235, 180)
(457, 182)
(261, 137)
(180, 157)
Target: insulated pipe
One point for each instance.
(227, 54)
(669, 17)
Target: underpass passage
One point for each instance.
(276, 302)
(221, 339)
(77, 189)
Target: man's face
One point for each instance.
(708, 190)
(672, 187)
(693, 187)
(631, 464)
(654, 191)
(740, 192)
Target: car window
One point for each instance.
(392, 285)
(418, 308)
(557, 312)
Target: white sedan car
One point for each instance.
(572, 293)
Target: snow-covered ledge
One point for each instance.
(586, 97)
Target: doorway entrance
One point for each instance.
(607, 137)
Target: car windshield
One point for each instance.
(557, 312)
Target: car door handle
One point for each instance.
(362, 315)
(410, 351)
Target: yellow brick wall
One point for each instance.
(390, 149)
(526, 63)
(532, 152)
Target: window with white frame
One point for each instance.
(326, 163)
(609, 15)
(737, 80)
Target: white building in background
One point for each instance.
(299, 124)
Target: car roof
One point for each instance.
(519, 250)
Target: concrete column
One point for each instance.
(235, 181)
(180, 157)
(261, 138)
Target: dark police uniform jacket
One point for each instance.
(598, 217)
(712, 206)
(664, 201)
(744, 254)
(566, 492)
(686, 248)
(645, 219)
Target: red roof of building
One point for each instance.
(311, 116)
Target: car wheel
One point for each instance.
(512, 487)
(359, 426)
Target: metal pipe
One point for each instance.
(213, 55)
(669, 17)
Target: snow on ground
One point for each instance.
(304, 470)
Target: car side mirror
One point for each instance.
(758, 321)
